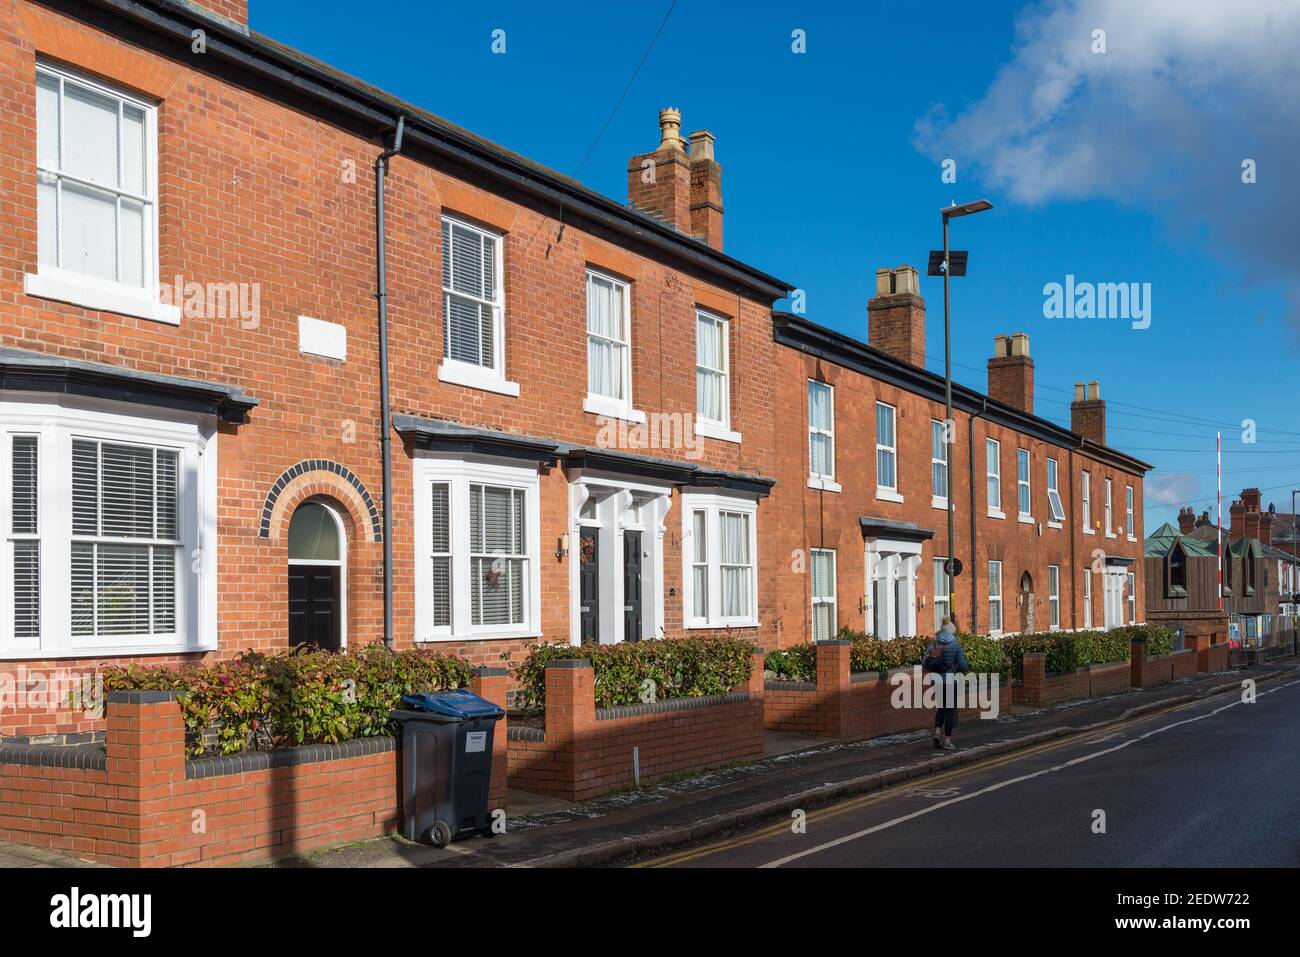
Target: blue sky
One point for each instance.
(1122, 166)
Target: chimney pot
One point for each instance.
(670, 129)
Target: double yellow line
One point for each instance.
(876, 797)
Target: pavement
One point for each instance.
(686, 813)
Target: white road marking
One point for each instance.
(1002, 784)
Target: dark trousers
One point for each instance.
(946, 717)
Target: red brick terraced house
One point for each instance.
(597, 427)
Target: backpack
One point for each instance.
(934, 660)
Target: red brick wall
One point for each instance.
(853, 706)
(1039, 689)
(584, 755)
(142, 810)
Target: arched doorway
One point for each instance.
(1026, 604)
(317, 596)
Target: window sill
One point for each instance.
(1051, 524)
(612, 409)
(1110, 535)
(720, 625)
(715, 430)
(96, 294)
(939, 503)
(1088, 531)
(997, 513)
(103, 651)
(485, 635)
(824, 484)
(888, 495)
(476, 377)
(1024, 519)
(1132, 538)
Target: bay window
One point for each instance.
(477, 540)
(823, 594)
(106, 526)
(719, 558)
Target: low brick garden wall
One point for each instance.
(1148, 672)
(1211, 658)
(584, 751)
(840, 704)
(1039, 689)
(136, 801)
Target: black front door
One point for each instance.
(588, 585)
(631, 586)
(314, 606)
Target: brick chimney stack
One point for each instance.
(1236, 519)
(1266, 524)
(1251, 517)
(659, 183)
(1088, 412)
(1204, 520)
(896, 315)
(706, 190)
(1186, 520)
(234, 12)
(1011, 372)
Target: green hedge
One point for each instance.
(1068, 650)
(257, 702)
(799, 662)
(679, 668)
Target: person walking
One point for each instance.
(945, 658)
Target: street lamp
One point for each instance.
(948, 263)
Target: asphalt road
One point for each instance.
(1210, 784)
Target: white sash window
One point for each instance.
(821, 430)
(823, 594)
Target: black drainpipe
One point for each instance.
(386, 426)
(974, 582)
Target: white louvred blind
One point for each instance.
(125, 547)
(26, 547)
(497, 555)
(441, 549)
(469, 293)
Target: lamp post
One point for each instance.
(948, 263)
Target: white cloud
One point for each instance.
(1169, 488)
(1163, 120)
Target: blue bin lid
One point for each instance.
(460, 703)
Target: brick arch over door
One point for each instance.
(318, 477)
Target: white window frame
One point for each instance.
(705, 426)
(459, 473)
(714, 504)
(1054, 597)
(822, 480)
(1130, 583)
(823, 600)
(1055, 510)
(469, 374)
(888, 493)
(598, 403)
(941, 599)
(995, 598)
(1085, 496)
(937, 500)
(57, 422)
(1024, 479)
(1087, 598)
(1130, 525)
(993, 477)
(1110, 512)
(56, 282)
